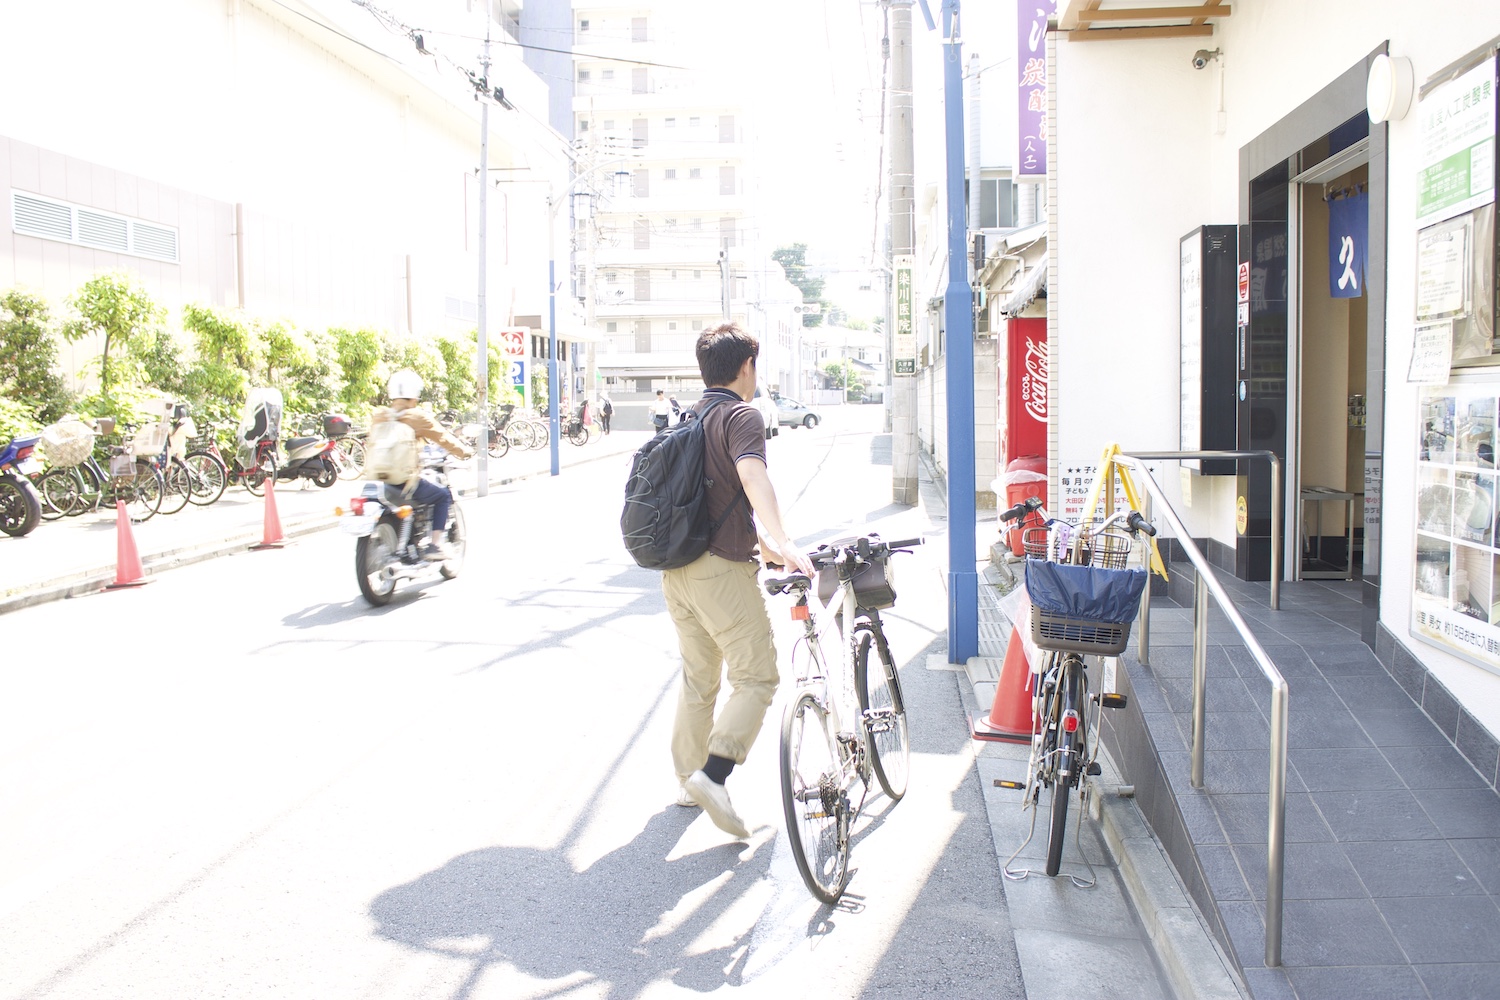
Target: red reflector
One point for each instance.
(1070, 722)
(800, 612)
(358, 503)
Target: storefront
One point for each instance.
(1348, 150)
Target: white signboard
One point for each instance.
(1431, 354)
(1443, 270)
(1456, 169)
(905, 334)
(1190, 270)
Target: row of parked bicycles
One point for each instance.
(512, 427)
(166, 463)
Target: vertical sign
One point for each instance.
(1031, 78)
(1190, 324)
(1456, 169)
(1348, 231)
(513, 346)
(905, 340)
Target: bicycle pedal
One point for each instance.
(1093, 767)
(1015, 786)
(1113, 700)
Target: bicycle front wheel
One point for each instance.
(884, 714)
(817, 811)
(177, 487)
(59, 490)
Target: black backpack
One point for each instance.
(665, 522)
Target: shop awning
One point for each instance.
(1032, 285)
(1097, 20)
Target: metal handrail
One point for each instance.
(1207, 582)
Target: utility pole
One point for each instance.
(724, 278)
(482, 362)
(903, 384)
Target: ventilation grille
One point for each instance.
(50, 219)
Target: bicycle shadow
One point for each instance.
(528, 909)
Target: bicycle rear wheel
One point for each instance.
(352, 465)
(817, 811)
(209, 477)
(884, 714)
(177, 487)
(142, 493)
(59, 491)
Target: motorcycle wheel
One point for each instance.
(457, 544)
(328, 476)
(20, 507)
(372, 554)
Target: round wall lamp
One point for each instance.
(1389, 88)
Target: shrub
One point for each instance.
(28, 359)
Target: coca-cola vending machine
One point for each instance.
(1021, 395)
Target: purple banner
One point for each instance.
(1031, 74)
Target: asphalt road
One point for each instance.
(241, 781)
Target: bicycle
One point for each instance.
(163, 444)
(826, 749)
(1084, 595)
(79, 489)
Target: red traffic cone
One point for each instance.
(1010, 718)
(271, 536)
(128, 571)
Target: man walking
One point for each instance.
(716, 601)
(606, 410)
(663, 413)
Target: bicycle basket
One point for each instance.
(1082, 609)
(67, 442)
(149, 440)
(122, 467)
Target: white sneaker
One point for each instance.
(714, 798)
(685, 798)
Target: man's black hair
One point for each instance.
(722, 350)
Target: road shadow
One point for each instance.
(617, 923)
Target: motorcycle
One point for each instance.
(310, 458)
(389, 531)
(20, 505)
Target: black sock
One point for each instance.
(718, 768)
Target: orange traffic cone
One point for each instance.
(1009, 719)
(271, 536)
(128, 571)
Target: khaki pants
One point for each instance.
(720, 614)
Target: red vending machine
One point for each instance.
(1021, 385)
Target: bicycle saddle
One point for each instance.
(782, 584)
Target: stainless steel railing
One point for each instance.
(1208, 583)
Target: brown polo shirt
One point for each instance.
(732, 430)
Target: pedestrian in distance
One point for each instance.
(606, 410)
(663, 413)
(404, 388)
(716, 601)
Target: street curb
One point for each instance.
(93, 581)
(1194, 963)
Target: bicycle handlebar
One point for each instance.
(862, 549)
(1027, 506)
(1139, 523)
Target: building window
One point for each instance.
(697, 225)
(671, 326)
(608, 74)
(671, 173)
(583, 25)
(608, 124)
(584, 75)
(671, 123)
(694, 173)
(583, 126)
(693, 121)
(997, 203)
(697, 275)
(611, 327)
(674, 274)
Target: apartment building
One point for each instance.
(676, 248)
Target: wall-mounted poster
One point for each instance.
(1456, 582)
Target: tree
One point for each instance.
(359, 358)
(793, 260)
(28, 359)
(226, 354)
(843, 375)
(112, 305)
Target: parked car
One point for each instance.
(790, 413)
(766, 404)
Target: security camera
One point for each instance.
(1202, 57)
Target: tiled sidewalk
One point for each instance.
(1392, 863)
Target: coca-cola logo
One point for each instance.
(1034, 387)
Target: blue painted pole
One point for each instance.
(958, 321)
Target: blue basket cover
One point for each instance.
(1087, 592)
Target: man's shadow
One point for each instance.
(528, 908)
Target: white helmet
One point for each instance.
(405, 384)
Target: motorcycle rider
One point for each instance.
(404, 388)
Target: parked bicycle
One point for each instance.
(832, 743)
(1084, 593)
(82, 487)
